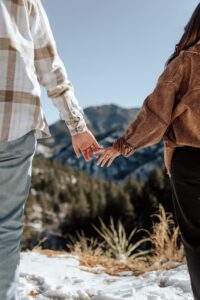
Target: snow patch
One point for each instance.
(61, 277)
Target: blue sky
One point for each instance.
(114, 50)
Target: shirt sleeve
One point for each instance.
(155, 114)
(51, 72)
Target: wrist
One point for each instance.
(76, 132)
(123, 147)
(79, 129)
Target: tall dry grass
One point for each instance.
(166, 240)
(80, 244)
(117, 253)
(118, 244)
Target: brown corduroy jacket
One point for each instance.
(171, 111)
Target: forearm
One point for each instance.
(145, 131)
(151, 123)
(54, 78)
(61, 92)
(70, 111)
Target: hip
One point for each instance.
(25, 144)
(185, 161)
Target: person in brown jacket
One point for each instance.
(172, 113)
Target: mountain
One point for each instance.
(107, 122)
(109, 118)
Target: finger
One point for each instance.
(99, 150)
(91, 142)
(96, 155)
(89, 153)
(111, 161)
(84, 152)
(106, 156)
(95, 147)
(102, 157)
(105, 161)
(96, 144)
(77, 151)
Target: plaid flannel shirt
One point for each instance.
(28, 59)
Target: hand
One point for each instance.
(85, 143)
(108, 155)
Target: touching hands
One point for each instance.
(85, 143)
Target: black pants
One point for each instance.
(185, 182)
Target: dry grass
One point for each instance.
(82, 245)
(166, 240)
(33, 294)
(166, 253)
(110, 266)
(118, 244)
(99, 264)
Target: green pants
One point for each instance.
(15, 180)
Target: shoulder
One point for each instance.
(192, 50)
(176, 69)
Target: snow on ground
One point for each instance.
(62, 278)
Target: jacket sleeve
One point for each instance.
(155, 114)
(51, 72)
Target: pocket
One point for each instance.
(175, 158)
(26, 144)
(31, 142)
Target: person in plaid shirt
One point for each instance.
(28, 60)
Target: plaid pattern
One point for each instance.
(28, 59)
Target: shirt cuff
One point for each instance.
(79, 127)
(123, 147)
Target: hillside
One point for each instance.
(64, 200)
